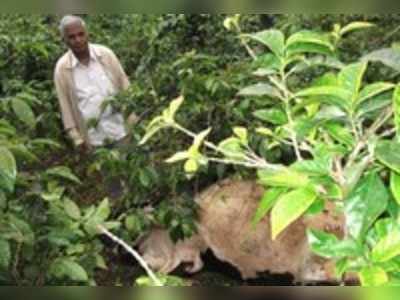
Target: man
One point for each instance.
(85, 77)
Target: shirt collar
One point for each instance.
(93, 57)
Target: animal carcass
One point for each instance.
(225, 227)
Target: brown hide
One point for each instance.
(225, 226)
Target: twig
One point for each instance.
(135, 254)
(363, 142)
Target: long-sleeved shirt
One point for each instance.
(67, 92)
(93, 88)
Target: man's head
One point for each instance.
(75, 35)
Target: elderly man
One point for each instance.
(85, 77)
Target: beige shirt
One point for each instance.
(93, 88)
(68, 99)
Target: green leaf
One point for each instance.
(72, 209)
(103, 211)
(269, 199)
(191, 166)
(8, 170)
(199, 139)
(355, 26)
(320, 60)
(330, 247)
(395, 186)
(22, 153)
(387, 152)
(273, 39)
(23, 112)
(260, 90)
(388, 248)
(365, 204)
(373, 277)
(350, 78)
(174, 107)
(46, 142)
(315, 167)
(64, 173)
(283, 177)
(242, 134)
(289, 208)
(340, 134)
(5, 254)
(332, 91)
(352, 175)
(155, 126)
(396, 106)
(274, 116)
(373, 90)
(268, 61)
(232, 148)
(177, 157)
(67, 268)
(310, 37)
(133, 224)
(306, 48)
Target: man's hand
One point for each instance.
(78, 141)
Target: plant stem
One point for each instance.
(135, 254)
(251, 161)
(363, 141)
(287, 97)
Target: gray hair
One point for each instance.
(68, 20)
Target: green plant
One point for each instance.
(338, 129)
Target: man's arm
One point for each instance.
(66, 111)
(122, 77)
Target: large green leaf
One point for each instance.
(23, 112)
(365, 204)
(67, 268)
(8, 170)
(333, 91)
(329, 246)
(304, 48)
(283, 177)
(350, 78)
(72, 209)
(63, 172)
(373, 277)
(274, 116)
(373, 90)
(290, 207)
(340, 134)
(273, 39)
(259, 90)
(396, 105)
(310, 37)
(269, 199)
(388, 248)
(5, 254)
(355, 26)
(388, 153)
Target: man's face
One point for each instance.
(76, 38)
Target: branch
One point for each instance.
(135, 254)
(378, 124)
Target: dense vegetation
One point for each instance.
(335, 136)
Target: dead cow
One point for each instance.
(225, 227)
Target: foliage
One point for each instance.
(51, 197)
(338, 128)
